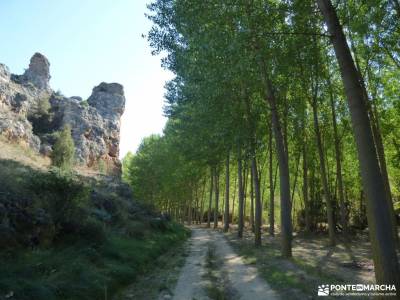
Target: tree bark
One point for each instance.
(216, 209)
(271, 189)
(241, 196)
(233, 199)
(190, 210)
(328, 200)
(226, 217)
(305, 189)
(211, 196)
(252, 199)
(286, 222)
(376, 133)
(245, 181)
(382, 240)
(338, 158)
(258, 210)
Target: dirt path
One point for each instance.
(213, 271)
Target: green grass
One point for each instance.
(83, 271)
(97, 257)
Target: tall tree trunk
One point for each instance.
(216, 209)
(245, 180)
(380, 149)
(211, 196)
(286, 222)
(338, 158)
(196, 206)
(233, 199)
(271, 189)
(241, 196)
(252, 199)
(201, 209)
(327, 196)
(382, 240)
(190, 211)
(226, 217)
(312, 197)
(258, 211)
(376, 133)
(305, 189)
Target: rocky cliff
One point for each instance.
(31, 113)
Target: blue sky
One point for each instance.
(87, 42)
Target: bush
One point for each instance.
(136, 229)
(159, 224)
(63, 150)
(61, 196)
(92, 230)
(43, 106)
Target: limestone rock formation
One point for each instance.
(31, 113)
(38, 72)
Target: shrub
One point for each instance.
(63, 150)
(135, 229)
(43, 106)
(62, 197)
(159, 224)
(102, 166)
(92, 230)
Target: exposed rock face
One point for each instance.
(38, 72)
(30, 113)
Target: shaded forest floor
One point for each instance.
(313, 263)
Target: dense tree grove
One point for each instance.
(281, 112)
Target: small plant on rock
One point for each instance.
(63, 150)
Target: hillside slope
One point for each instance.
(72, 236)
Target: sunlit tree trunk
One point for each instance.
(305, 189)
(211, 196)
(286, 222)
(382, 240)
(338, 158)
(190, 208)
(258, 210)
(216, 208)
(226, 217)
(327, 196)
(271, 188)
(376, 133)
(233, 199)
(241, 195)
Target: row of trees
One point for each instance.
(294, 98)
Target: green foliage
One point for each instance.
(102, 166)
(226, 57)
(92, 230)
(63, 197)
(83, 270)
(43, 106)
(63, 150)
(69, 237)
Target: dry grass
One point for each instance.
(23, 154)
(26, 156)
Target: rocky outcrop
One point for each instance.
(38, 72)
(31, 113)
